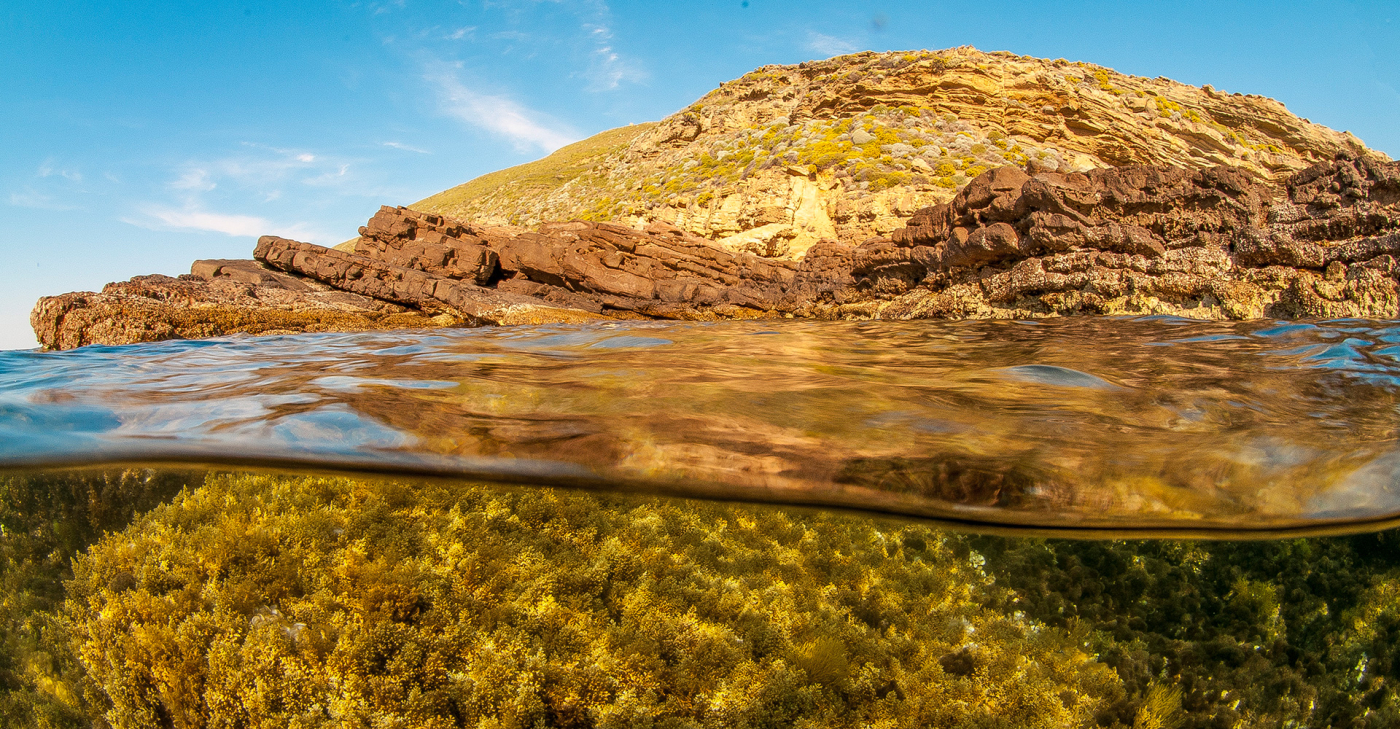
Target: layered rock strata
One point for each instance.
(850, 147)
(1211, 243)
(595, 267)
(219, 297)
(1214, 243)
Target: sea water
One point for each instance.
(772, 523)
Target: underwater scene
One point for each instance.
(1099, 522)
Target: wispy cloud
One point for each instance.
(499, 115)
(195, 180)
(235, 225)
(47, 169)
(263, 171)
(829, 45)
(265, 165)
(607, 68)
(467, 32)
(31, 198)
(328, 178)
(587, 45)
(405, 147)
(511, 35)
(201, 192)
(51, 188)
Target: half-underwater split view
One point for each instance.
(1136, 522)
(777, 365)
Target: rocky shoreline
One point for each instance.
(1215, 243)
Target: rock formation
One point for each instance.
(583, 266)
(216, 298)
(852, 146)
(955, 184)
(1208, 244)
(1214, 243)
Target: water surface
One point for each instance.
(1109, 426)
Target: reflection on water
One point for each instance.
(258, 599)
(1148, 426)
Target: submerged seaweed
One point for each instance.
(307, 602)
(44, 522)
(257, 600)
(1260, 634)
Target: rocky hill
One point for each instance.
(1217, 243)
(851, 147)
(950, 185)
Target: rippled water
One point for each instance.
(1148, 426)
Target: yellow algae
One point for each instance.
(303, 601)
(311, 601)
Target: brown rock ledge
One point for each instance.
(222, 297)
(1215, 243)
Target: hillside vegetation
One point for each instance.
(850, 147)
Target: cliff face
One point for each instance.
(851, 147)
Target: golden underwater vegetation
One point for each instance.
(262, 601)
(44, 522)
(306, 601)
(1292, 633)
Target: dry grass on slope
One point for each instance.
(479, 198)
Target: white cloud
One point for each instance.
(497, 114)
(256, 177)
(405, 147)
(47, 170)
(31, 198)
(194, 179)
(262, 172)
(51, 188)
(235, 225)
(238, 226)
(327, 178)
(607, 68)
(829, 45)
(587, 48)
(467, 31)
(261, 168)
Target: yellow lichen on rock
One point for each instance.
(850, 147)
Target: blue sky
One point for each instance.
(140, 136)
